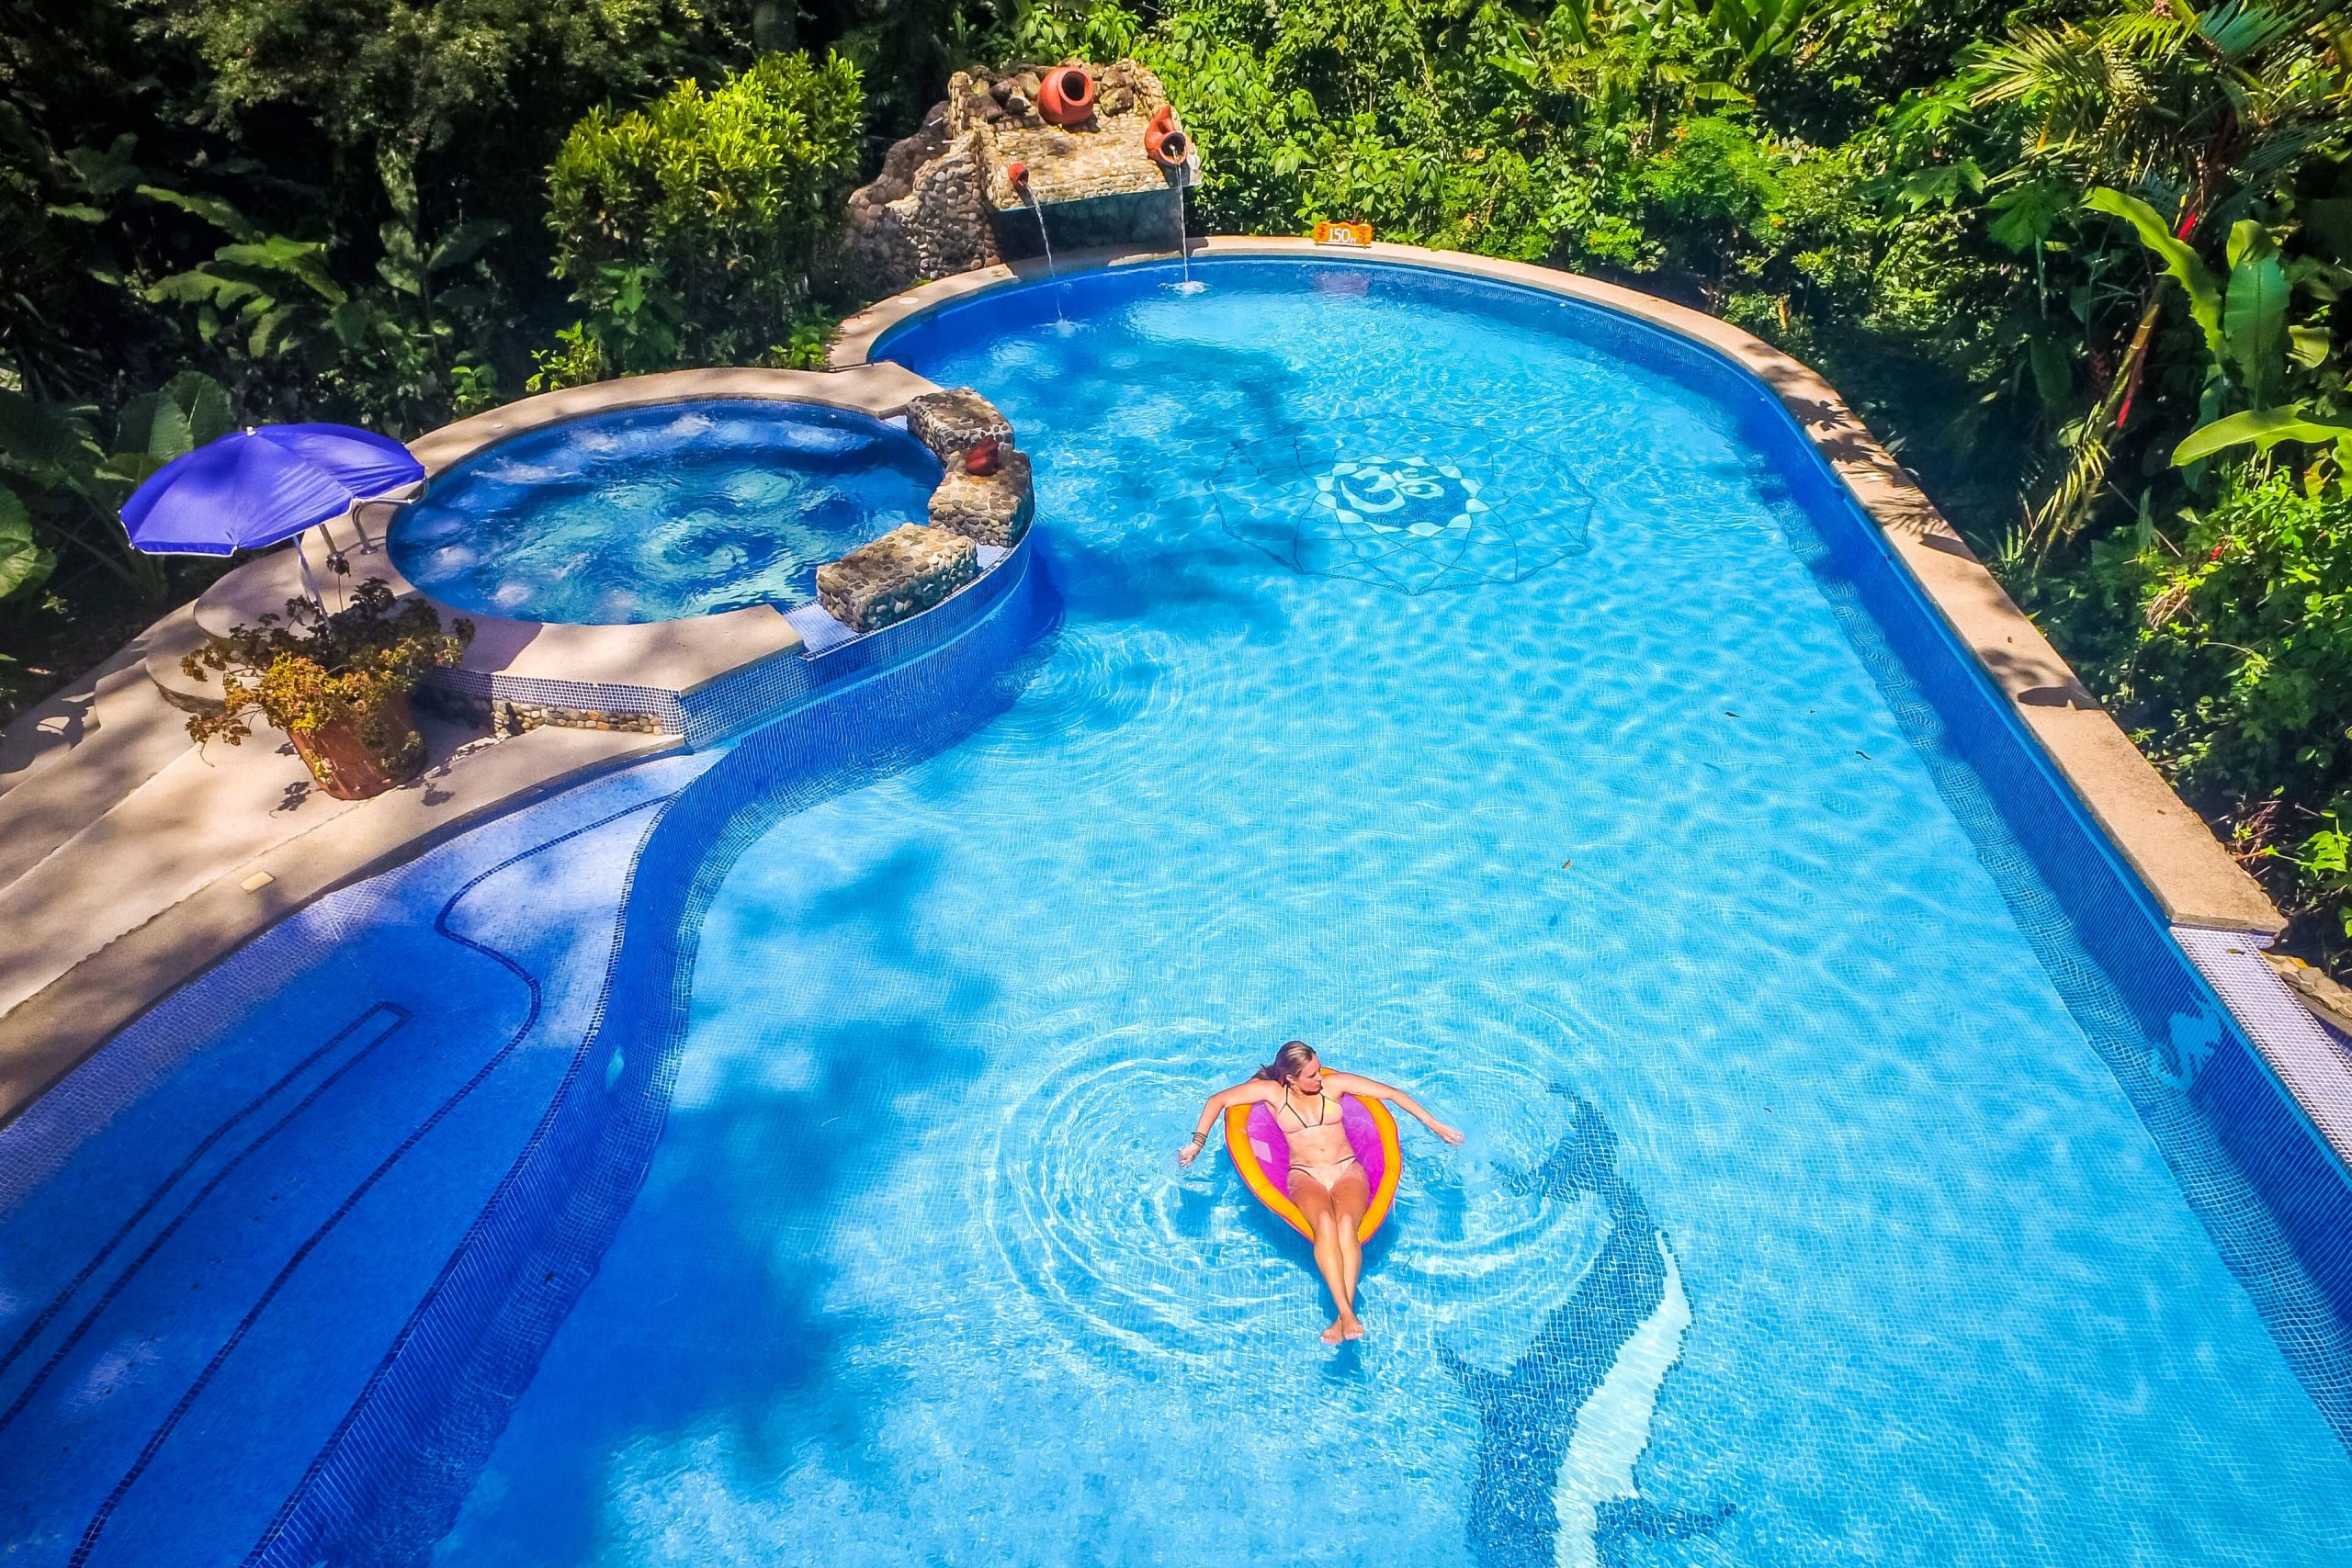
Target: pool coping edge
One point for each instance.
(2193, 878)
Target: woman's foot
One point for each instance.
(1344, 1327)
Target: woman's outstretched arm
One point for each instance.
(1239, 1094)
(1372, 1088)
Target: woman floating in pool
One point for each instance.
(1326, 1178)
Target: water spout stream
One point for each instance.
(1184, 246)
(1052, 273)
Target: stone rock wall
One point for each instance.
(926, 214)
(987, 509)
(503, 716)
(944, 204)
(951, 423)
(903, 573)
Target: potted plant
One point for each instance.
(337, 683)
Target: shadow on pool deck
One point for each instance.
(142, 888)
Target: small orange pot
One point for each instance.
(1164, 140)
(1067, 95)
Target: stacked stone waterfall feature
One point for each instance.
(944, 203)
(985, 498)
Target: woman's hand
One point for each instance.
(1190, 1152)
(1450, 1134)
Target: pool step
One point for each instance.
(178, 635)
(235, 1223)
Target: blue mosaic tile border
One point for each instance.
(2272, 1194)
(390, 1481)
(817, 628)
(768, 687)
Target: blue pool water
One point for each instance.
(662, 513)
(1586, 818)
(1829, 1196)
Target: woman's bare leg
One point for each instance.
(1349, 1199)
(1316, 1204)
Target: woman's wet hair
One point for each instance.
(1289, 1062)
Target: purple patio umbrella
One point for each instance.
(258, 486)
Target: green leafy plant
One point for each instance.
(577, 359)
(689, 229)
(78, 483)
(2245, 317)
(808, 346)
(2208, 104)
(311, 670)
(393, 347)
(2261, 429)
(24, 565)
(2240, 673)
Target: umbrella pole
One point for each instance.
(310, 583)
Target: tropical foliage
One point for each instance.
(2083, 262)
(687, 230)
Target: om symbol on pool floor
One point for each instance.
(1408, 495)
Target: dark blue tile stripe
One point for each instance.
(396, 1015)
(186, 1402)
(147, 1206)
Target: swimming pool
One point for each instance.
(1835, 1192)
(662, 513)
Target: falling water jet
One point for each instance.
(1183, 245)
(1019, 174)
(1165, 144)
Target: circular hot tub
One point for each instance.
(662, 513)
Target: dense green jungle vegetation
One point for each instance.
(2081, 261)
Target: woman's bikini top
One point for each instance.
(1325, 1104)
(1333, 1157)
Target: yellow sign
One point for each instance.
(1348, 234)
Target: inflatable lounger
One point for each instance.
(1261, 1153)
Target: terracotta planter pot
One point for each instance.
(344, 766)
(1067, 95)
(1165, 142)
